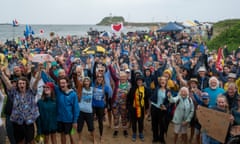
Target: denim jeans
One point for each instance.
(208, 140)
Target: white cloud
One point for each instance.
(92, 11)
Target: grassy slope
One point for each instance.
(226, 32)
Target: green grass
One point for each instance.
(225, 32)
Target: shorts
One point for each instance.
(88, 117)
(64, 127)
(49, 132)
(23, 132)
(180, 129)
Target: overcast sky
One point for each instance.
(92, 11)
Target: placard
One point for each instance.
(214, 123)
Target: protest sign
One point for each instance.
(214, 123)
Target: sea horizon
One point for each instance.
(9, 32)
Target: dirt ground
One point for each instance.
(120, 139)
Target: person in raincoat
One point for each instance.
(183, 113)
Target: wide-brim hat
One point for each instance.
(232, 75)
(193, 80)
(202, 68)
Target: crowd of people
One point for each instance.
(141, 75)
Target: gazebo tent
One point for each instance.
(170, 27)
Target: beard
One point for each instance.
(213, 87)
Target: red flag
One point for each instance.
(219, 66)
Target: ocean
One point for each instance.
(10, 32)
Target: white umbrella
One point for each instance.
(40, 58)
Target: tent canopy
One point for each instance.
(171, 26)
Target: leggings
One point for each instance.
(100, 114)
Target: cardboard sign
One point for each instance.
(214, 123)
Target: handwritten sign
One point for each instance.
(214, 123)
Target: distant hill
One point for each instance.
(225, 32)
(118, 19)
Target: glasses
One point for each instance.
(99, 76)
(100, 70)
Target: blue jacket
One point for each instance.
(154, 97)
(67, 103)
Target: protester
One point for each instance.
(183, 113)
(119, 105)
(47, 121)
(137, 101)
(24, 110)
(170, 54)
(222, 107)
(86, 110)
(67, 107)
(159, 107)
(100, 92)
(213, 90)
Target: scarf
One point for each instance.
(138, 102)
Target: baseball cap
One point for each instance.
(205, 95)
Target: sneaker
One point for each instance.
(141, 136)
(125, 133)
(115, 133)
(134, 136)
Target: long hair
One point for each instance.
(53, 96)
(84, 79)
(102, 83)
